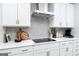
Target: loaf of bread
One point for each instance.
(24, 35)
(21, 35)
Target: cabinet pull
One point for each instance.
(17, 21)
(67, 49)
(25, 50)
(48, 53)
(60, 23)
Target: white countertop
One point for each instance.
(17, 44)
(30, 43)
(65, 39)
(58, 40)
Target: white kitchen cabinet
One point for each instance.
(24, 16)
(63, 15)
(70, 15)
(60, 15)
(24, 51)
(51, 49)
(40, 50)
(66, 48)
(9, 14)
(54, 49)
(76, 48)
(54, 52)
(14, 14)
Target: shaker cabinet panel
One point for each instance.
(54, 52)
(16, 14)
(63, 15)
(60, 15)
(70, 15)
(24, 14)
(9, 14)
(76, 48)
(66, 48)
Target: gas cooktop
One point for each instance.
(43, 40)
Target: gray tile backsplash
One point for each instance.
(39, 28)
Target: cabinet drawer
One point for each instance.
(5, 52)
(22, 50)
(66, 43)
(14, 51)
(54, 45)
(40, 53)
(40, 47)
(46, 46)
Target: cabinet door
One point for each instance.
(70, 15)
(76, 48)
(24, 14)
(66, 49)
(60, 15)
(9, 14)
(54, 52)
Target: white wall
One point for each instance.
(1, 28)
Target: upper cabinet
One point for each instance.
(60, 15)
(9, 14)
(63, 15)
(16, 14)
(70, 15)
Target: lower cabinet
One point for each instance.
(20, 51)
(51, 49)
(66, 48)
(76, 48)
(47, 53)
(54, 52)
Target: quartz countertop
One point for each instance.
(65, 39)
(31, 43)
(58, 40)
(17, 44)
